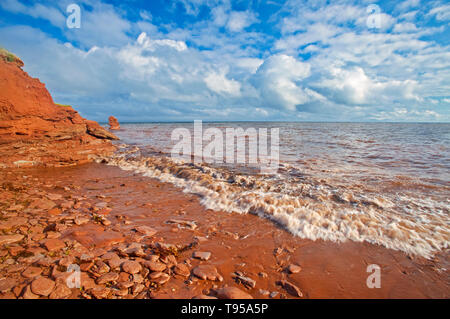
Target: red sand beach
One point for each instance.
(90, 215)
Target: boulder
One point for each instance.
(113, 123)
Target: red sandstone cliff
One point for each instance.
(36, 131)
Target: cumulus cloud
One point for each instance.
(277, 79)
(306, 60)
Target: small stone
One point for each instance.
(28, 294)
(232, 293)
(32, 272)
(101, 267)
(66, 261)
(154, 265)
(131, 267)
(204, 297)
(111, 276)
(137, 288)
(42, 286)
(293, 269)
(202, 255)
(246, 281)
(207, 272)
(115, 263)
(55, 211)
(100, 292)
(9, 239)
(109, 256)
(291, 288)
(6, 284)
(81, 220)
(61, 291)
(54, 244)
(182, 270)
(264, 292)
(161, 279)
(145, 230)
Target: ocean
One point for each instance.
(383, 183)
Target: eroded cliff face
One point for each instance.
(34, 131)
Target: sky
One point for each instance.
(221, 60)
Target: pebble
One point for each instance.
(42, 286)
(293, 269)
(232, 293)
(145, 230)
(182, 270)
(32, 272)
(100, 292)
(61, 291)
(111, 276)
(10, 239)
(207, 272)
(7, 284)
(291, 288)
(131, 267)
(202, 255)
(28, 294)
(154, 265)
(54, 244)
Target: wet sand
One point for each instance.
(257, 248)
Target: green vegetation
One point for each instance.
(9, 56)
(63, 105)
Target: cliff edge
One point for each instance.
(34, 131)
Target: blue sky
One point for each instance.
(164, 60)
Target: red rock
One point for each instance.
(36, 131)
(182, 270)
(207, 272)
(55, 211)
(202, 255)
(111, 276)
(204, 297)
(42, 286)
(32, 272)
(145, 230)
(293, 269)
(54, 244)
(100, 292)
(291, 288)
(28, 294)
(61, 291)
(232, 293)
(7, 284)
(9, 239)
(154, 265)
(131, 267)
(113, 123)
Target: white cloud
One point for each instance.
(219, 83)
(239, 20)
(51, 14)
(277, 80)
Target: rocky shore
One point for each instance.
(122, 235)
(34, 131)
(134, 237)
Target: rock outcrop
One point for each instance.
(35, 131)
(113, 123)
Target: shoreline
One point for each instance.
(253, 247)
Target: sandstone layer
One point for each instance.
(34, 131)
(113, 123)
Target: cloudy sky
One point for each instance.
(169, 60)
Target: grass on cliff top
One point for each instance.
(63, 105)
(9, 56)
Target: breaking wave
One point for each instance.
(306, 205)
